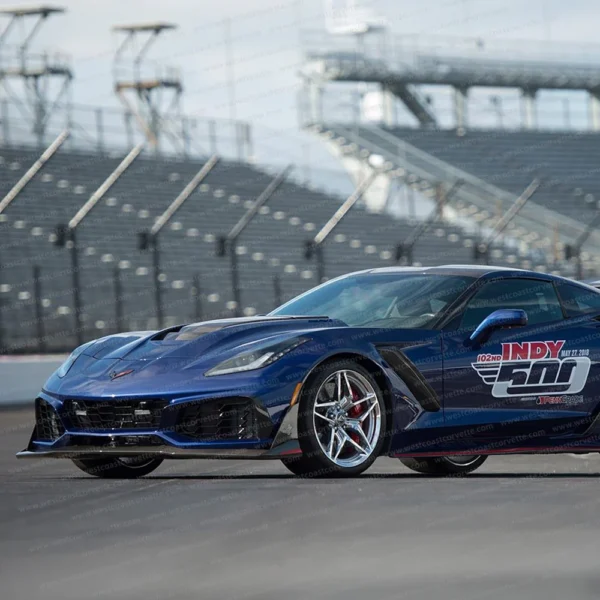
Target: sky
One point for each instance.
(265, 38)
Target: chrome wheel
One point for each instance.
(347, 418)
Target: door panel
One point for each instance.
(537, 381)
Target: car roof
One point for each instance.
(481, 272)
(474, 271)
(477, 272)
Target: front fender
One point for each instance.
(402, 407)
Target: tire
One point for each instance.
(443, 465)
(117, 468)
(344, 437)
(300, 466)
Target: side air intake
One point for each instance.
(48, 427)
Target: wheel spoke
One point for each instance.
(347, 438)
(331, 441)
(361, 434)
(348, 386)
(355, 425)
(324, 417)
(324, 404)
(339, 386)
(367, 412)
(365, 398)
(341, 437)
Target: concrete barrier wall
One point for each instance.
(21, 377)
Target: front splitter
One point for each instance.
(291, 448)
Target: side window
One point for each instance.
(577, 300)
(537, 298)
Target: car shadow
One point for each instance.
(394, 476)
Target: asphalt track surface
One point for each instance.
(522, 528)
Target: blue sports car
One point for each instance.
(439, 367)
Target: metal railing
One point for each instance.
(406, 49)
(405, 249)
(227, 244)
(13, 61)
(67, 233)
(487, 109)
(483, 248)
(150, 238)
(33, 170)
(18, 188)
(315, 246)
(107, 130)
(533, 217)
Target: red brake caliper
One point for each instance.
(355, 412)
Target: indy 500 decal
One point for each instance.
(534, 368)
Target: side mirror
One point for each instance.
(499, 319)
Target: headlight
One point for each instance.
(256, 358)
(64, 368)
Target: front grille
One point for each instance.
(90, 415)
(49, 427)
(227, 419)
(118, 441)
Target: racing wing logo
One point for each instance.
(487, 372)
(534, 368)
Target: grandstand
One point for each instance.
(497, 165)
(109, 283)
(272, 245)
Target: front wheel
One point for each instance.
(118, 468)
(341, 422)
(444, 465)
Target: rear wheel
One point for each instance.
(118, 468)
(341, 422)
(445, 465)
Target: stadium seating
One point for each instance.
(272, 245)
(566, 162)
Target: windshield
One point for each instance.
(395, 300)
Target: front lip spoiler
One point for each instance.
(291, 448)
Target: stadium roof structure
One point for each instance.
(135, 83)
(45, 79)
(401, 67)
(457, 72)
(24, 11)
(155, 27)
(457, 63)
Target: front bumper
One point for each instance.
(156, 443)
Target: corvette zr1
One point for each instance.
(439, 367)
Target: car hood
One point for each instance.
(202, 339)
(173, 359)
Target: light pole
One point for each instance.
(149, 239)
(16, 189)
(314, 247)
(227, 244)
(405, 249)
(481, 250)
(67, 234)
(574, 250)
(118, 287)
